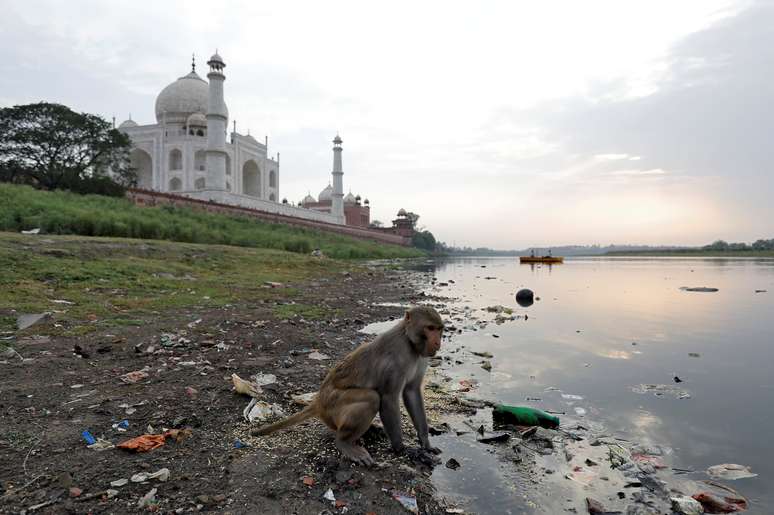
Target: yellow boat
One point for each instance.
(541, 259)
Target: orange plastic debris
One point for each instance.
(145, 443)
(308, 481)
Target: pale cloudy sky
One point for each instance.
(505, 124)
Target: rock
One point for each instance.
(686, 506)
(75, 491)
(594, 507)
(342, 476)
(486, 365)
(453, 464)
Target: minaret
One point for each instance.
(217, 118)
(337, 197)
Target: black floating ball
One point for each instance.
(525, 297)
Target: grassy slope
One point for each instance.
(113, 281)
(61, 212)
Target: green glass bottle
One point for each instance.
(523, 416)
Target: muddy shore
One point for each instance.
(66, 385)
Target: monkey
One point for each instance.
(372, 379)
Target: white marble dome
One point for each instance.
(326, 194)
(197, 120)
(350, 198)
(184, 97)
(126, 124)
(308, 200)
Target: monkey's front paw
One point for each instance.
(434, 450)
(423, 456)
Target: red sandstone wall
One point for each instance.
(153, 198)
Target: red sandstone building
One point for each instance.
(356, 214)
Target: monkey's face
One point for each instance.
(432, 337)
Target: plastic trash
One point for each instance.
(495, 438)
(318, 356)
(686, 506)
(161, 474)
(101, 445)
(329, 496)
(239, 444)
(90, 440)
(245, 387)
(121, 426)
(407, 501)
(261, 411)
(147, 499)
(523, 416)
(148, 442)
(133, 377)
(730, 471)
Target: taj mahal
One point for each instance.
(188, 152)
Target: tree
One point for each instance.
(717, 245)
(376, 224)
(413, 218)
(424, 240)
(50, 146)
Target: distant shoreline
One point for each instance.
(693, 253)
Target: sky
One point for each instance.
(504, 124)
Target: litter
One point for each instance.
(304, 399)
(245, 387)
(571, 397)
(133, 377)
(453, 464)
(121, 426)
(487, 355)
(149, 442)
(261, 411)
(147, 499)
(318, 356)
(90, 440)
(702, 289)
(36, 230)
(686, 506)
(119, 482)
(407, 501)
(523, 416)
(660, 390)
(262, 379)
(101, 445)
(730, 471)
(495, 438)
(25, 321)
(580, 411)
(329, 496)
(161, 474)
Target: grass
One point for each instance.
(285, 311)
(90, 283)
(62, 212)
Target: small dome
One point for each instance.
(337, 140)
(350, 199)
(308, 200)
(366, 202)
(126, 124)
(402, 212)
(184, 97)
(197, 120)
(326, 194)
(216, 58)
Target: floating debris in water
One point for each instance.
(660, 390)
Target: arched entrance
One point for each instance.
(142, 164)
(175, 184)
(175, 160)
(251, 179)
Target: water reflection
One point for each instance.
(603, 325)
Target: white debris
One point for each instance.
(730, 471)
(319, 356)
(261, 411)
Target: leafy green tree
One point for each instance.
(51, 147)
(424, 240)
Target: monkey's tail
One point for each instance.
(306, 413)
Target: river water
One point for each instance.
(602, 327)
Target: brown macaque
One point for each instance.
(372, 379)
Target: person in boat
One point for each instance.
(532, 253)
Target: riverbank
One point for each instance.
(694, 253)
(150, 333)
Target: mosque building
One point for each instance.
(188, 152)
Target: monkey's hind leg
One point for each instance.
(355, 410)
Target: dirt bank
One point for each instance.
(60, 384)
